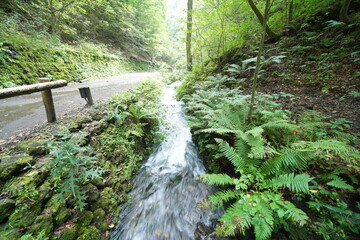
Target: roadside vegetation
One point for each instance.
(71, 180)
(76, 40)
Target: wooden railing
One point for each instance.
(44, 87)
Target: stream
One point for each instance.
(166, 195)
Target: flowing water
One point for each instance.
(166, 195)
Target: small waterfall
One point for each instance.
(165, 196)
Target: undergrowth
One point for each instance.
(279, 177)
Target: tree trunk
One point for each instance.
(343, 16)
(188, 35)
(258, 61)
(260, 17)
(291, 11)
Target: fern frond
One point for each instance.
(280, 124)
(295, 214)
(263, 228)
(218, 198)
(235, 219)
(290, 159)
(230, 153)
(338, 147)
(216, 179)
(339, 183)
(296, 183)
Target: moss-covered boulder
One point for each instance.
(108, 204)
(85, 218)
(89, 233)
(12, 165)
(96, 128)
(99, 182)
(44, 191)
(31, 178)
(69, 233)
(35, 147)
(54, 204)
(25, 217)
(11, 234)
(62, 215)
(92, 192)
(43, 223)
(7, 207)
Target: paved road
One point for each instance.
(22, 113)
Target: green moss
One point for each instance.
(43, 223)
(25, 217)
(54, 204)
(90, 233)
(10, 165)
(92, 192)
(85, 218)
(44, 191)
(7, 206)
(34, 147)
(62, 215)
(68, 234)
(31, 178)
(11, 234)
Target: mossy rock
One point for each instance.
(108, 204)
(74, 126)
(95, 114)
(25, 217)
(89, 233)
(7, 206)
(43, 223)
(12, 165)
(109, 168)
(99, 215)
(35, 147)
(54, 204)
(96, 128)
(11, 234)
(31, 178)
(117, 214)
(62, 215)
(92, 192)
(85, 218)
(69, 234)
(44, 191)
(99, 182)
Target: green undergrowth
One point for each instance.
(279, 178)
(71, 180)
(25, 58)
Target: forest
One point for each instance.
(270, 92)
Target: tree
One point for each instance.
(260, 17)
(343, 16)
(188, 35)
(258, 60)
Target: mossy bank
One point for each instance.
(70, 181)
(24, 59)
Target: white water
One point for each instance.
(166, 195)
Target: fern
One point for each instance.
(217, 199)
(296, 183)
(216, 179)
(339, 183)
(288, 160)
(239, 161)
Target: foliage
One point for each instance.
(71, 169)
(273, 158)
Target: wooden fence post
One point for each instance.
(48, 102)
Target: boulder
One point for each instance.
(13, 165)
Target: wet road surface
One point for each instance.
(22, 113)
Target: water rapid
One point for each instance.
(166, 196)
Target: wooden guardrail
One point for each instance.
(44, 87)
